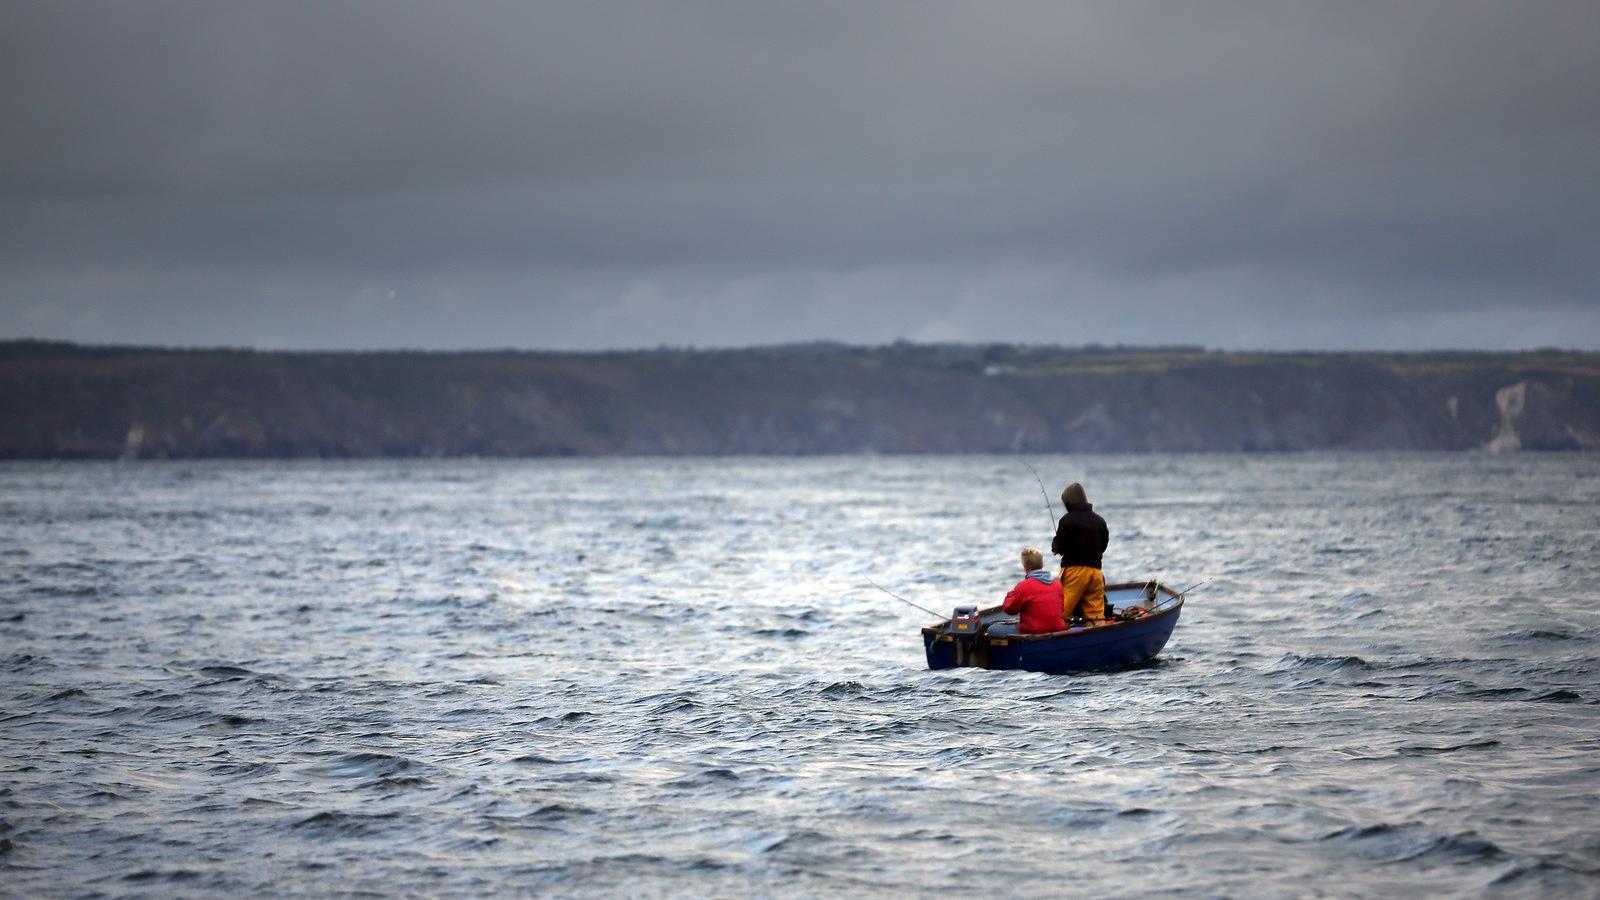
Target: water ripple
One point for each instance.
(671, 677)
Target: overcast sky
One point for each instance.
(590, 174)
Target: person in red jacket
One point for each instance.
(1036, 598)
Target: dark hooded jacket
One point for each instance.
(1081, 537)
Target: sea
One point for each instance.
(676, 678)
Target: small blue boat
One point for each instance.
(964, 639)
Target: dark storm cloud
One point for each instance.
(335, 174)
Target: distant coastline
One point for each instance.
(69, 401)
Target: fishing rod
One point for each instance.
(1196, 585)
(1049, 508)
(903, 600)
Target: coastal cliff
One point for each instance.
(67, 401)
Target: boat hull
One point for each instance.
(1110, 646)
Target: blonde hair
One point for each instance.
(1032, 559)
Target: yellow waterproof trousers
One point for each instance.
(1083, 592)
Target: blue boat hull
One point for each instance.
(1083, 649)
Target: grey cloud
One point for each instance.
(1315, 174)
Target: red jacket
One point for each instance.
(1039, 604)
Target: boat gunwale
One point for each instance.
(935, 630)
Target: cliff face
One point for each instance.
(64, 401)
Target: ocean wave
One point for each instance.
(464, 681)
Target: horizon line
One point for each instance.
(1090, 347)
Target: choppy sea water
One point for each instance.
(670, 678)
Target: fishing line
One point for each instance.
(1049, 508)
(903, 600)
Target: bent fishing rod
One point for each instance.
(904, 600)
(1049, 508)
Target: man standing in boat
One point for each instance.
(1080, 541)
